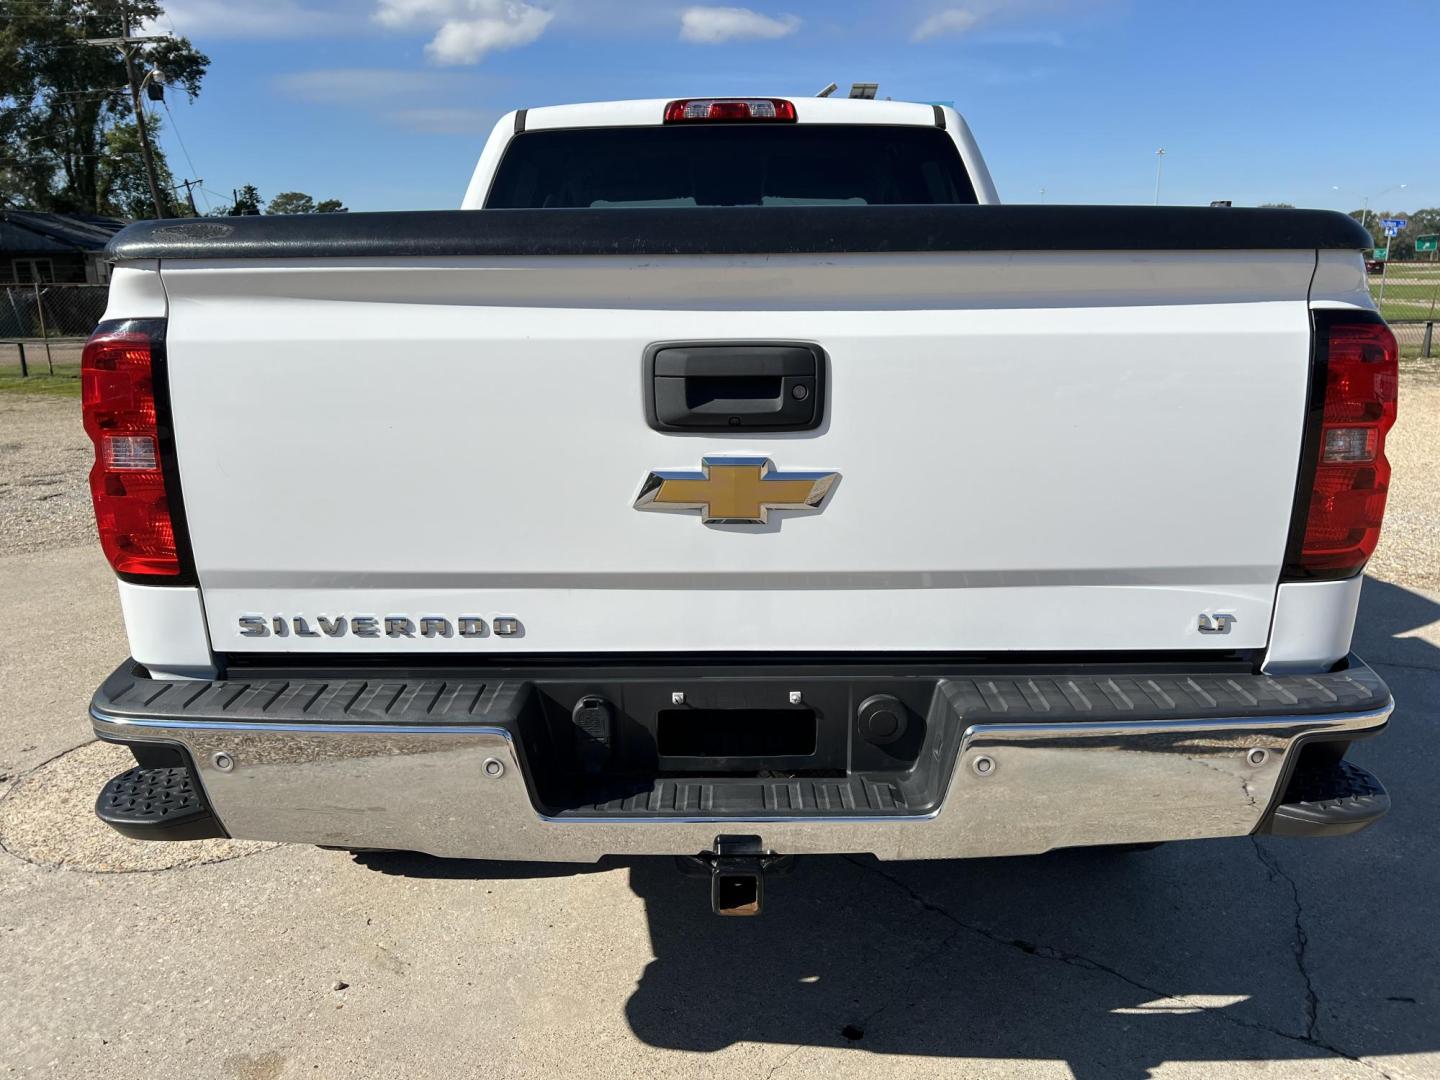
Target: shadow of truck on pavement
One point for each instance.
(1265, 949)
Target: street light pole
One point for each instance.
(1159, 165)
(1365, 202)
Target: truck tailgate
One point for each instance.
(1036, 451)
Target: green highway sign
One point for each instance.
(1427, 243)
(1380, 254)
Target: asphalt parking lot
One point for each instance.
(257, 962)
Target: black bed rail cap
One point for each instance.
(739, 230)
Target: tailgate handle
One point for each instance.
(749, 386)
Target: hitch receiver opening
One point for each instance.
(737, 868)
(737, 886)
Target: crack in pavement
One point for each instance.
(1302, 939)
(1404, 664)
(15, 782)
(1047, 952)
(783, 1059)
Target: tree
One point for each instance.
(1424, 222)
(60, 99)
(1278, 205)
(297, 202)
(124, 189)
(247, 201)
(292, 202)
(1402, 247)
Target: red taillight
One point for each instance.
(691, 110)
(1347, 499)
(127, 482)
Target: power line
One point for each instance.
(68, 97)
(47, 133)
(81, 93)
(194, 171)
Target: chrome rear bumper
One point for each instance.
(460, 789)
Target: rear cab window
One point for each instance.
(731, 165)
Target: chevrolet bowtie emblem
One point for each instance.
(735, 490)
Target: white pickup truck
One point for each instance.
(736, 479)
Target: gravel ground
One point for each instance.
(38, 822)
(1409, 552)
(44, 458)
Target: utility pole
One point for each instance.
(1159, 165)
(189, 194)
(126, 44)
(140, 124)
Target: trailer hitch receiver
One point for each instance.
(737, 867)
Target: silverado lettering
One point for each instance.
(337, 626)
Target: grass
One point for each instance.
(65, 382)
(57, 385)
(1412, 291)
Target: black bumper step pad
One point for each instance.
(348, 698)
(157, 804)
(797, 797)
(1329, 799)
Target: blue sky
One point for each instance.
(386, 103)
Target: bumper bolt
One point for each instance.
(494, 768)
(677, 697)
(223, 761)
(796, 697)
(983, 765)
(1257, 757)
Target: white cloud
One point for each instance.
(399, 13)
(466, 30)
(951, 21)
(385, 92)
(964, 16)
(365, 86)
(465, 41)
(714, 25)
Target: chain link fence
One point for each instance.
(1408, 295)
(43, 327)
(1417, 338)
